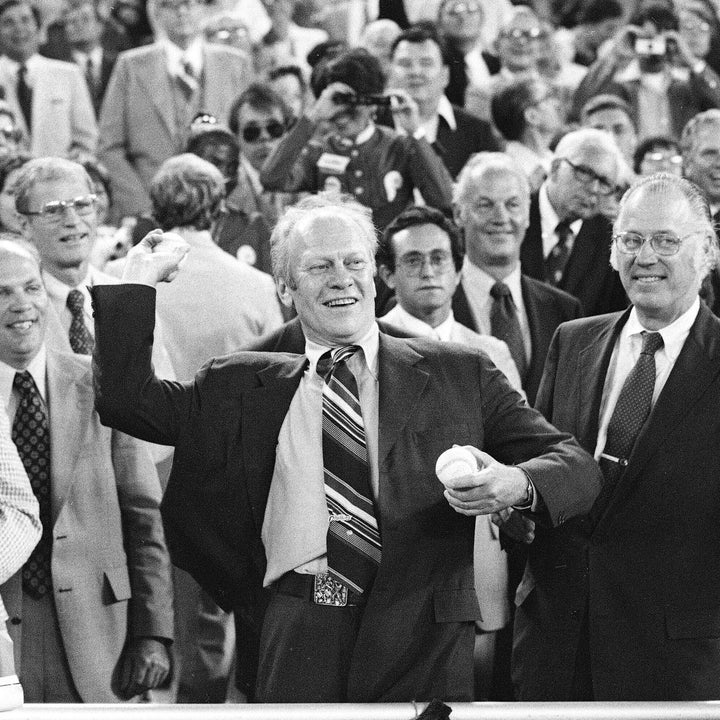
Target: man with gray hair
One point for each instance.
(313, 476)
(567, 243)
(492, 205)
(700, 147)
(622, 604)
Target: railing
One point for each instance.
(379, 711)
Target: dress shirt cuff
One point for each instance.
(531, 498)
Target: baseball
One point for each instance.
(457, 462)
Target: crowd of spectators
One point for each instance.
(508, 132)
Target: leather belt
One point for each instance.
(320, 589)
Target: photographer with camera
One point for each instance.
(336, 145)
(653, 66)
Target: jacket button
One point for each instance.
(15, 621)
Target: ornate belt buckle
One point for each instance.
(328, 591)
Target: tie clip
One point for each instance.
(340, 517)
(620, 461)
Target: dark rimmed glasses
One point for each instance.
(587, 176)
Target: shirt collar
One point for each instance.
(549, 219)
(364, 135)
(369, 343)
(13, 66)
(446, 112)
(484, 281)
(193, 54)
(36, 368)
(194, 237)
(59, 291)
(81, 57)
(416, 326)
(673, 335)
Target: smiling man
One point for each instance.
(91, 612)
(623, 604)
(567, 243)
(313, 476)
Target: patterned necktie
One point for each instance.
(90, 75)
(505, 325)
(629, 416)
(353, 539)
(81, 341)
(557, 259)
(24, 95)
(187, 80)
(31, 435)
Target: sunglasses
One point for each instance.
(252, 131)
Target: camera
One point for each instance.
(352, 99)
(651, 47)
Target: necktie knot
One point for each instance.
(332, 358)
(499, 290)
(563, 232)
(23, 382)
(76, 302)
(652, 342)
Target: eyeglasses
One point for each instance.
(13, 134)
(252, 131)
(413, 262)
(55, 209)
(587, 176)
(532, 33)
(663, 242)
(657, 157)
(463, 8)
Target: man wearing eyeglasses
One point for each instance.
(155, 92)
(567, 243)
(700, 147)
(623, 604)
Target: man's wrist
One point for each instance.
(528, 500)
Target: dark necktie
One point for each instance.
(629, 416)
(187, 80)
(353, 539)
(90, 75)
(81, 341)
(24, 95)
(505, 325)
(31, 435)
(558, 257)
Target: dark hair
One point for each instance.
(658, 13)
(422, 32)
(284, 70)
(509, 103)
(325, 51)
(356, 68)
(7, 4)
(606, 101)
(412, 217)
(98, 173)
(663, 142)
(203, 135)
(10, 163)
(596, 11)
(261, 97)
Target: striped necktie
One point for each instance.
(353, 539)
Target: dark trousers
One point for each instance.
(305, 651)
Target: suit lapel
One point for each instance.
(697, 366)
(581, 260)
(263, 411)
(70, 398)
(401, 384)
(154, 76)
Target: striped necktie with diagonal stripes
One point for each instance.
(353, 539)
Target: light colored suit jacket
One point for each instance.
(137, 120)
(63, 119)
(110, 565)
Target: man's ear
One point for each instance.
(387, 276)
(283, 291)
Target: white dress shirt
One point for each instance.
(296, 517)
(477, 284)
(549, 221)
(625, 355)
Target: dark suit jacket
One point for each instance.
(546, 308)
(471, 135)
(416, 636)
(649, 569)
(588, 275)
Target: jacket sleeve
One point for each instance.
(128, 189)
(139, 494)
(429, 174)
(290, 167)
(84, 130)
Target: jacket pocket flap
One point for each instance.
(456, 605)
(692, 622)
(119, 582)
